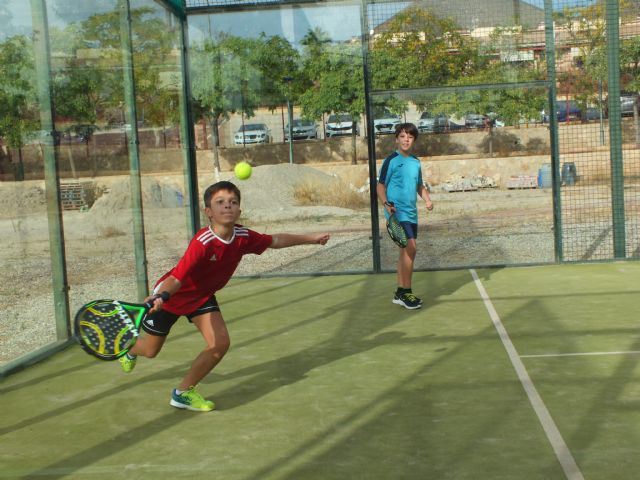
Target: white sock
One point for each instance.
(131, 357)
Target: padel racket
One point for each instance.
(107, 329)
(396, 231)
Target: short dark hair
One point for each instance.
(216, 187)
(409, 128)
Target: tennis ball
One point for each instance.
(242, 170)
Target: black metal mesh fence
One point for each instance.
(455, 58)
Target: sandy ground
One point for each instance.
(479, 228)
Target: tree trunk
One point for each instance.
(72, 163)
(19, 167)
(215, 141)
(354, 153)
(636, 126)
(491, 138)
(205, 141)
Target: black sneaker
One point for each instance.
(407, 300)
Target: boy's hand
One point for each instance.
(391, 208)
(156, 301)
(322, 238)
(429, 204)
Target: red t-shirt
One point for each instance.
(208, 264)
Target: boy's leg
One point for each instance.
(406, 258)
(147, 346)
(214, 331)
(404, 296)
(216, 336)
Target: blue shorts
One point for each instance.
(160, 323)
(411, 229)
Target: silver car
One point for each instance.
(301, 130)
(385, 122)
(252, 133)
(339, 124)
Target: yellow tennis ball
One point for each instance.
(242, 170)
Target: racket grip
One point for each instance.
(163, 295)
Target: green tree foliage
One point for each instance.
(335, 77)
(231, 74)
(419, 49)
(18, 112)
(89, 81)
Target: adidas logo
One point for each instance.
(213, 258)
(149, 322)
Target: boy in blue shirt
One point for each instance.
(399, 184)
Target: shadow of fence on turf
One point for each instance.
(396, 424)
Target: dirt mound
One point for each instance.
(269, 193)
(156, 193)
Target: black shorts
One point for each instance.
(411, 229)
(160, 323)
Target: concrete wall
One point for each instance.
(447, 156)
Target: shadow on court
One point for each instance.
(326, 379)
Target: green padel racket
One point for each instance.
(107, 329)
(396, 231)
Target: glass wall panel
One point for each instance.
(26, 299)
(93, 153)
(156, 45)
(254, 75)
(473, 81)
(601, 194)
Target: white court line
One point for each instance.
(584, 354)
(558, 444)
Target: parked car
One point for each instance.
(493, 117)
(565, 111)
(252, 133)
(385, 122)
(626, 104)
(339, 124)
(81, 132)
(475, 120)
(301, 129)
(44, 136)
(627, 101)
(429, 122)
(592, 113)
(438, 124)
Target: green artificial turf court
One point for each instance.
(327, 379)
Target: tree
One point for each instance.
(231, 74)
(419, 49)
(17, 96)
(218, 82)
(335, 75)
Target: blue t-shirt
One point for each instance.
(401, 177)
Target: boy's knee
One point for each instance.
(410, 250)
(151, 353)
(219, 347)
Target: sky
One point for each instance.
(340, 20)
(289, 22)
(559, 4)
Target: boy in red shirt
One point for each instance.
(207, 265)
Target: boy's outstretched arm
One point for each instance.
(284, 240)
